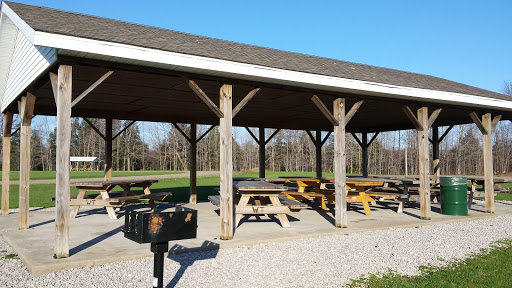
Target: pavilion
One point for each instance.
(67, 64)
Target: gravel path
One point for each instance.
(317, 262)
(184, 174)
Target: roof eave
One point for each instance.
(225, 68)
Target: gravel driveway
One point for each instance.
(316, 262)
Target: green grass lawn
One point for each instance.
(490, 268)
(44, 175)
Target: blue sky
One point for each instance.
(464, 41)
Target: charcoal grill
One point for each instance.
(158, 228)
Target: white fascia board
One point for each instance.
(22, 25)
(262, 73)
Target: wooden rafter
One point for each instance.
(272, 136)
(357, 139)
(244, 101)
(326, 137)
(445, 133)
(54, 81)
(311, 136)
(124, 129)
(205, 98)
(182, 132)
(94, 128)
(373, 138)
(91, 88)
(252, 135)
(353, 111)
(478, 123)
(324, 110)
(495, 121)
(412, 117)
(206, 133)
(433, 117)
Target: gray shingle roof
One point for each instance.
(91, 27)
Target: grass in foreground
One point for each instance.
(489, 268)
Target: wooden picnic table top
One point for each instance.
(99, 184)
(257, 186)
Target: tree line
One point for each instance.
(161, 146)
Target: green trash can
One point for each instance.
(454, 196)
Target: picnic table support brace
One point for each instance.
(26, 109)
(63, 96)
(6, 161)
(487, 126)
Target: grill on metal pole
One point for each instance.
(158, 228)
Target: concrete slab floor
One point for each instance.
(95, 239)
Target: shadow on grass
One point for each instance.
(208, 250)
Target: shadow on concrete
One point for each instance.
(326, 216)
(208, 250)
(411, 214)
(41, 223)
(94, 241)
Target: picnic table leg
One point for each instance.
(242, 203)
(400, 206)
(281, 216)
(151, 202)
(365, 203)
(81, 195)
(110, 210)
(321, 202)
(471, 194)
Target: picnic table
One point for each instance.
(104, 197)
(357, 189)
(261, 198)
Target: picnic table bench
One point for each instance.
(104, 197)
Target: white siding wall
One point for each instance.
(27, 63)
(8, 32)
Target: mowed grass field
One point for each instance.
(46, 175)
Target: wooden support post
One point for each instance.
(193, 164)
(62, 188)
(26, 109)
(6, 161)
(340, 172)
(488, 169)
(261, 152)
(424, 163)
(318, 146)
(108, 149)
(435, 153)
(364, 150)
(226, 163)
(487, 126)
